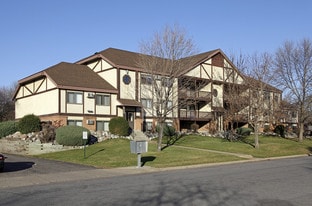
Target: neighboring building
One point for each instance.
(110, 83)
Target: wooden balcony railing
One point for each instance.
(195, 115)
(191, 94)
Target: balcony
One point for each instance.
(195, 115)
(191, 94)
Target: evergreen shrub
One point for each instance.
(244, 131)
(168, 130)
(280, 129)
(70, 135)
(7, 128)
(29, 123)
(119, 126)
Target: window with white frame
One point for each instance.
(169, 104)
(167, 82)
(74, 97)
(102, 126)
(74, 122)
(147, 103)
(149, 126)
(102, 100)
(146, 79)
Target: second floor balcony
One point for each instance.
(193, 94)
(195, 115)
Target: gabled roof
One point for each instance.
(116, 57)
(257, 84)
(73, 76)
(195, 60)
(121, 58)
(127, 59)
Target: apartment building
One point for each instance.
(111, 83)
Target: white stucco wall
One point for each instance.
(218, 100)
(110, 76)
(89, 103)
(39, 104)
(127, 91)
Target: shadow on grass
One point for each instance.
(241, 138)
(147, 159)
(94, 153)
(245, 140)
(171, 140)
(310, 150)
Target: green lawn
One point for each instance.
(269, 146)
(116, 152)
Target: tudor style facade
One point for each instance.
(110, 83)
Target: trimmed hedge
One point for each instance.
(70, 135)
(29, 123)
(7, 128)
(119, 126)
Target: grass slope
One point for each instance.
(116, 152)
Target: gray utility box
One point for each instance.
(138, 147)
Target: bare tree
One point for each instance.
(162, 74)
(259, 77)
(236, 95)
(7, 108)
(293, 72)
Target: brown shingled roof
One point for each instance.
(127, 59)
(130, 102)
(68, 75)
(121, 57)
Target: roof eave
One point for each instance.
(112, 91)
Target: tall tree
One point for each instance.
(7, 108)
(235, 94)
(163, 67)
(259, 77)
(293, 73)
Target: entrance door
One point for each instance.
(130, 119)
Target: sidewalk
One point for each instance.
(245, 156)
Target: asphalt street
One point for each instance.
(286, 181)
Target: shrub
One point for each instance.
(194, 127)
(280, 129)
(47, 132)
(7, 128)
(244, 131)
(168, 131)
(70, 135)
(119, 126)
(29, 123)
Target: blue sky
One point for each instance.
(36, 34)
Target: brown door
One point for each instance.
(130, 119)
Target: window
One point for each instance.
(149, 126)
(74, 98)
(147, 103)
(74, 122)
(276, 98)
(146, 79)
(169, 104)
(266, 96)
(103, 100)
(102, 126)
(166, 82)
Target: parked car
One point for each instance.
(2, 158)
